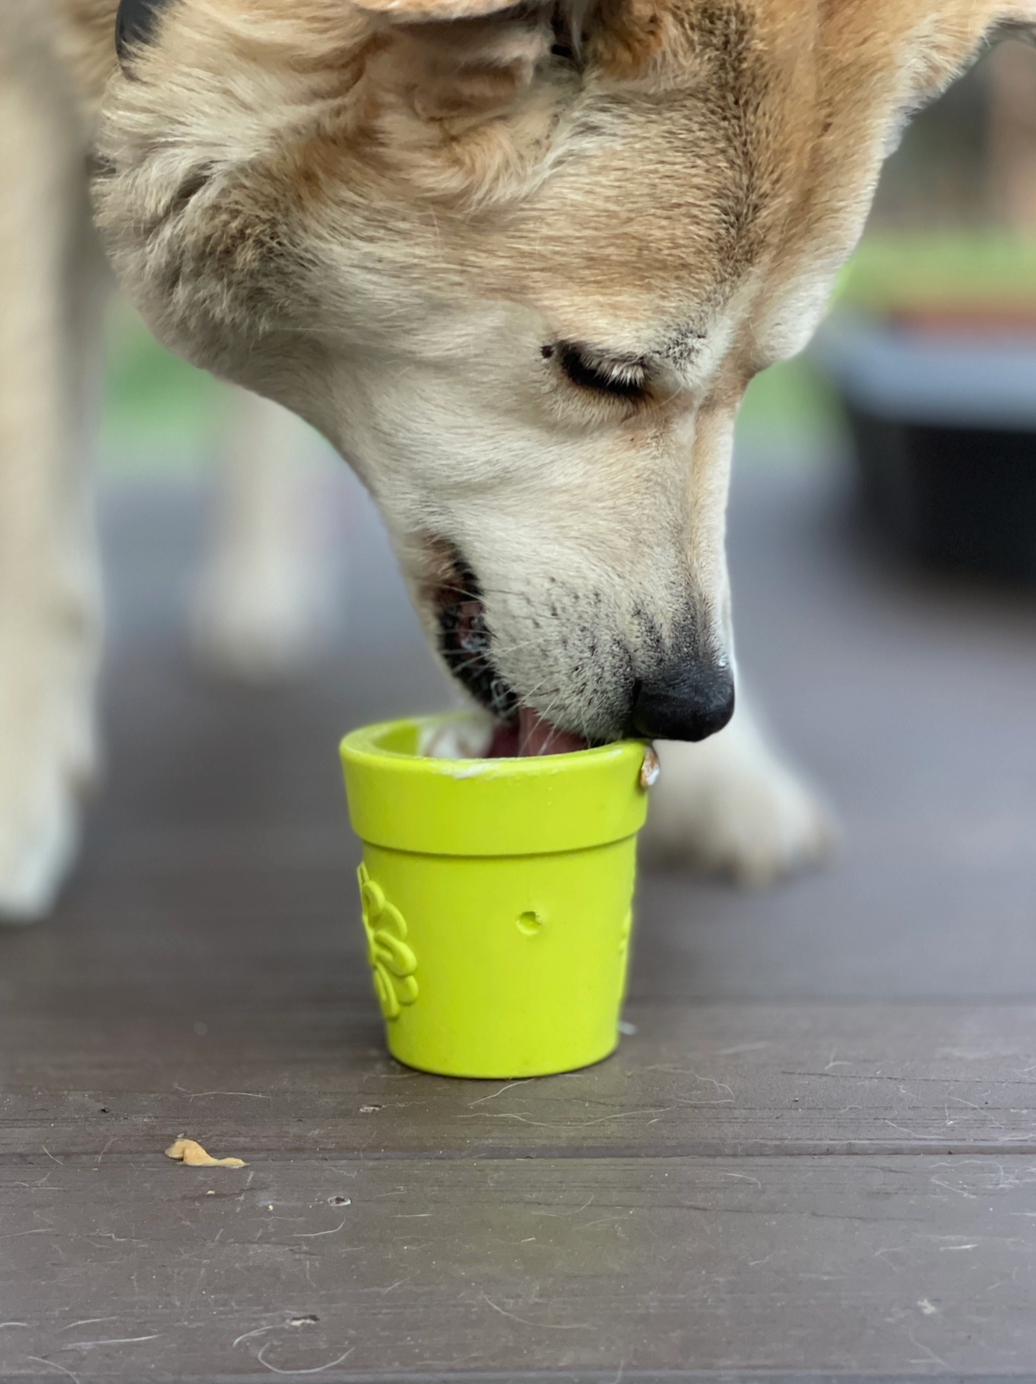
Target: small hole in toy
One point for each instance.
(530, 924)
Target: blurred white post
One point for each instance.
(261, 606)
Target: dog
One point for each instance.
(518, 264)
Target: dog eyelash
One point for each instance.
(619, 378)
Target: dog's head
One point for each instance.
(519, 265)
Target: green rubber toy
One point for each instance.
(496, 897)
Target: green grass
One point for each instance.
(789, 408)
(159, 412)
(955, 268)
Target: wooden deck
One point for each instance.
(814, 1155)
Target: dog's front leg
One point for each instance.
(51, 291)
(259, 609)
(730, 805)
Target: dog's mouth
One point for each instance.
(465, 641)
(530, 734)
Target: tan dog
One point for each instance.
(518, 265)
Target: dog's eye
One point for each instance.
(618, 376)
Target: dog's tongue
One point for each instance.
(537, 736)
(531, 736)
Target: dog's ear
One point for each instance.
(638, 40)
(620, 34)
(432, 11)
(457, 60)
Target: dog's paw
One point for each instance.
(258, 618)
(730, 806)
(39, 839)
(50, 763)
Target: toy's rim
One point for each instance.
(362, 746)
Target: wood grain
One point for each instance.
(814, 1156)
(902, 1265)
(723, 1080)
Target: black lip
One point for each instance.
(466, 645)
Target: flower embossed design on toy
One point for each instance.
(393, 964)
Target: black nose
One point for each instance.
(686, 701)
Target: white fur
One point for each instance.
(258, 605)
(732, 805)
(49, 587)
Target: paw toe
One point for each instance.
(36, 854)
(749, 818)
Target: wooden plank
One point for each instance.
(285, 1065)
(905, 1266)
(664, 1212)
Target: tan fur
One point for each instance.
(84, 37)
(379, 214)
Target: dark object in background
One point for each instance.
(943, 425)
(961, 497)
